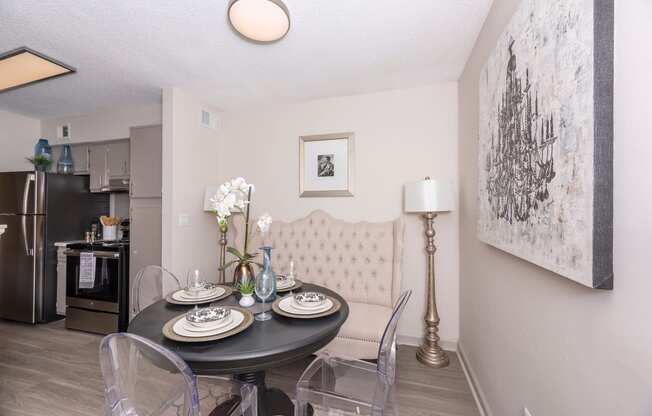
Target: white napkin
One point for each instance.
(86, 270)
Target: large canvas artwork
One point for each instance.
(546, 139)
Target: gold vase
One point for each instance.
(243, 272)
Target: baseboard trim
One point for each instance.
(478, 394)
(416, 341)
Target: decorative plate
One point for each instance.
(227, 292)
(207, 315)
(310, 300)
(336, 307)
(297, 284)
(169, 333)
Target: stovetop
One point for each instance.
(101, 245)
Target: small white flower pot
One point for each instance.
(247, 301)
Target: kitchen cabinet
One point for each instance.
(146, 162)
(97, 169)
(108, 160)
(56, 154)
(81, 159)
(117, 159)
(144, 234)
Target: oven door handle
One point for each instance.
(98, 254)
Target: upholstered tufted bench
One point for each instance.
(360, 261)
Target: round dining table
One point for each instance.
(246, 355)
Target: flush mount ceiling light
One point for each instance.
(24, 66)
(260, 21)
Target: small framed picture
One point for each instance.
(326, 165)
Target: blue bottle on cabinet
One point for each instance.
(65, 163)
(43, 148)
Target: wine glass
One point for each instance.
(193, 281)
(264, 289)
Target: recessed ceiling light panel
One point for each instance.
(260, 21)
(24, 66)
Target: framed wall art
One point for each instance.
(326, 163)
(546, 139)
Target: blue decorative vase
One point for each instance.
(65, 163)
(43, 148)
(267, 272)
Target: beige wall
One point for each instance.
(18, 135)
(401, 136)
(190, 153)
(102, 125)
(532, 337)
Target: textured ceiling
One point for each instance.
(125, 51)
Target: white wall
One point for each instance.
(18, 135)
(534, 338)
(108, 124)
(190, 161)
(401, 136)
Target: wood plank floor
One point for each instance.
(48, 370)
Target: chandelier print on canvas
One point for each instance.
(546, 122)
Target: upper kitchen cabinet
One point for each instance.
(117, 159)
(146, 162)
(56, 154)
(81, 159)
(109, 166)
(99, 179)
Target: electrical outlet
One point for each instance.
(526, 412)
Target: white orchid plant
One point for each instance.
(234, 196)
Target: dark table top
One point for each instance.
(263, 345)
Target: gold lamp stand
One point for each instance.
(430, 353)
(222, 277)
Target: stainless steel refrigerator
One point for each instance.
(36, 210)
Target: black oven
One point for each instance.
(97, 302)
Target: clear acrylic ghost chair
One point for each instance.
(142, 378)
(339, 386)
(152, 283)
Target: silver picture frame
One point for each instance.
(304, 141)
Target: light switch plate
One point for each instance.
(63, 132)
(184, 220)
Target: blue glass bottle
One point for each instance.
(43, 148)
(65, 163)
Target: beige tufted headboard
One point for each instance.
(361, 261)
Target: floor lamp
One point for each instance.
(429, 197)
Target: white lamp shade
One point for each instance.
(429, 196)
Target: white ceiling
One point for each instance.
(125, 51)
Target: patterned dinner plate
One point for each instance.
(242, 324)
(171, 298)
(336, 305)
(297, 285)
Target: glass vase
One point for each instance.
(266, 283)
(43, 148)
(65, 162)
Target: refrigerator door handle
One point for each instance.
(28, 251)
(28, 181)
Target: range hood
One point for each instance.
(115, 185)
